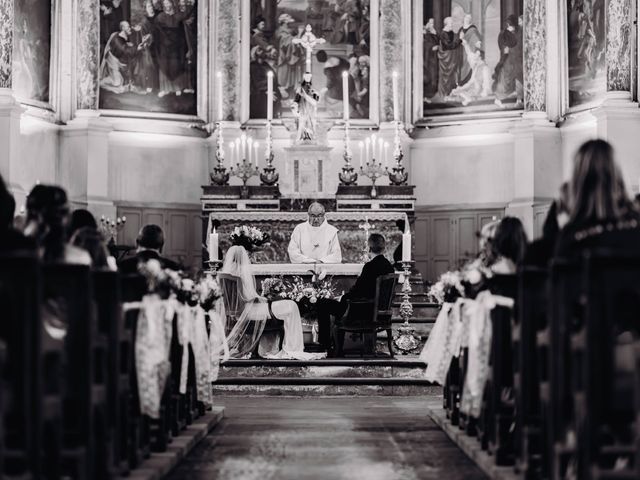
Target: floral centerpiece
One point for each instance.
(307, 294)
(273, 288)
(251, 238)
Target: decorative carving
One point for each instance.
(6, 42)
(535, 56)
(618, 52)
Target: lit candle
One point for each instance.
(361, 145)
(250, 145)
(243, 141)
(345, 95)
(232, 149)
(386, 154)
(213, 246)
(219, 78)
(255, 151)
(367, 141)
(373, 146)
(269, 95)
(380, 145)
(396, 111)
(406, 245)
(238, 152)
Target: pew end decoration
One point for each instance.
(251, 238)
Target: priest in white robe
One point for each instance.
(315, 241)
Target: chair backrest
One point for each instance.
(233, 303)
(385, 289)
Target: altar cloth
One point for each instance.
(303, 269)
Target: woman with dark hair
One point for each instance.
(10, 238)
(508, 246)
(81, 218)
(602, 215)
(47, 222)
(92, 241)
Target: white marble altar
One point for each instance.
(306, 269)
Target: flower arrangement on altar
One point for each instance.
(273, 288)
(203, 291)
(305, 293)
(251, 238)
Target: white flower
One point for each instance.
(313, 299)
(322, 275)
(154, 267)
(474, 276)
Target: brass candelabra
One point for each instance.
(269, 176)
(398, 175)
(373, 170)
(348, 176)
(219, 176)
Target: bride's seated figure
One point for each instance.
(315, 241)
(250, 324)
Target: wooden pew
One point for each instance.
(111, 322)
(498, 409)
(531, 317)
(602, 386)
(68, 290)
(3, 392)
(33, 413)
(563, 293)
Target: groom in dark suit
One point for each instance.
(363, 289)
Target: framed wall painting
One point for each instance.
(153, 62)
(469, 58)
(349, 30)
(32, 52)
(585, 53)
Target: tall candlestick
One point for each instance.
(406, 245)
(396, 110)
(238, 152)
(380, 145)
(243, 141)
(345, 95)
(367, 141)
(219, 78)
(232, 150)
(213, 246)
(255, 150)
(269, 95)
(373, 146)
(250, 145)
(361, 145)
(386, 154)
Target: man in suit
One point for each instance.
(363, 289)
(150, 242)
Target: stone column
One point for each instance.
(84, 162)
(229, 57)
(618, 118)
(87, 54)
(9, 108)
(391, 57)
(537, 142)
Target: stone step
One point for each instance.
(343, 376)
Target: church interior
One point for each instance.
(319, 239)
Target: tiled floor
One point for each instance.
(269, 438)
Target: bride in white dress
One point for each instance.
(249, 326)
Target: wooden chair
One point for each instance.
(369, 316)
(234, 306)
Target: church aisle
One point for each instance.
(263, 438)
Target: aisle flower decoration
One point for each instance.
(448, 288)
(251, 238)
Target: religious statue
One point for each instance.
(305, 109)
(305, 103)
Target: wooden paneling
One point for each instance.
(445, 240)
(182, 231)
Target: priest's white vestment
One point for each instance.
(315, 244)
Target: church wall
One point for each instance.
(156, 169)
(463, 170)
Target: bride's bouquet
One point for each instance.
(251, 238)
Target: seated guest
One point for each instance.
(363, 289)
(315, 241)
(91, 240)
(602, 215)
(10, 238)
(81, 218)
(508, 246)
(540, 252)
(149, 242)
(47, 222)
